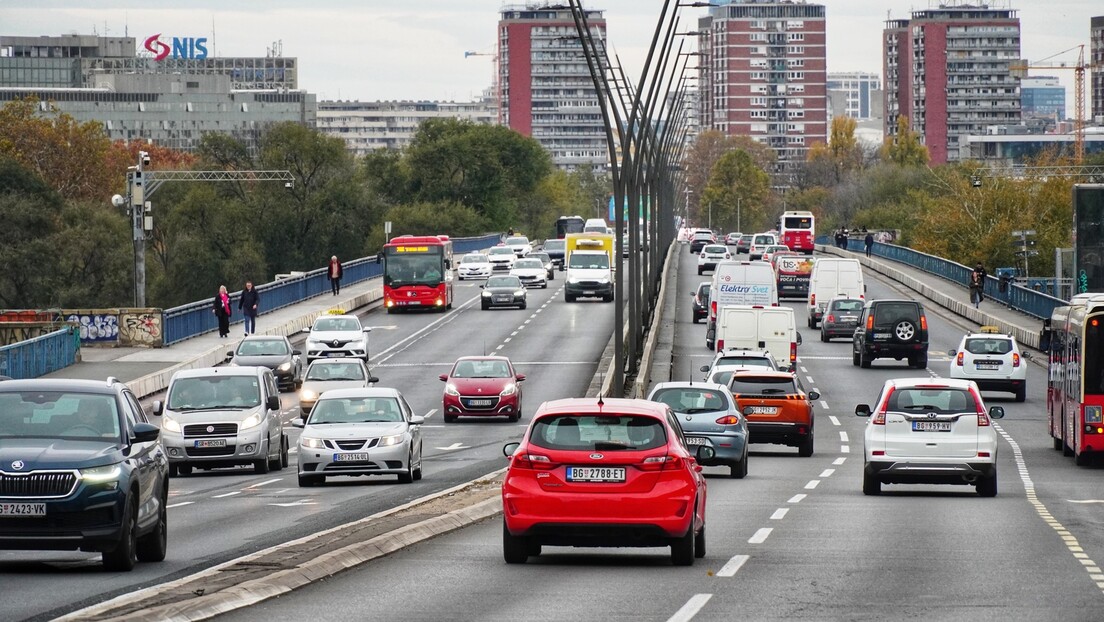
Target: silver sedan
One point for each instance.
(330, 374)
(370, 431)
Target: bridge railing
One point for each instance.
(40, 355)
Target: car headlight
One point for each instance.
(388, 441)
(252, 421)
(604, 280)
(486, 294)
(520, 292)
(450, 389)
(510, 389)
(360, 344)
(170, 424)
(308, 395)
(285, 367)
(311, 442)
(99, 475)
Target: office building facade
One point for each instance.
(858, 93)
(1042, 96)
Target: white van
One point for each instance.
(739, 283)
(754, 327)
(833, 277)
(595, 225)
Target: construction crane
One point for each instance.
(1019, 69)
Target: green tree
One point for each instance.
(95, 263)
(905, 149)
(703, 155)
(31, 213)
(737, 193)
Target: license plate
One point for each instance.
(595, 474)
(931, 426)
(696, 440)
(987, 365)
(481, 402)
(22, 509)
(763, 410)
(588, 292)
(335, 354)
(507, 299)
(216, 442)
(350, 458)
(881, 335)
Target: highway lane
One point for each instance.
(219, 515)
(795, 539)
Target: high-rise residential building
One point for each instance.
(1042, 96)
(545, 89)
(763, 74)
(1096, 52)
(948, 70)
(860, 93)
(368, 126)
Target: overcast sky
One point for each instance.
(414, 49)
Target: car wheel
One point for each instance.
(544, 285)
(153, 546)
(485, 306)
(275, 464)
(522, 306)
(125, 554)
(1021, 392)
(699, 271)
(260, 467)
(987, 486)
(864, 361)
(824, 336)
(1082, 459)
(449, 418)
(515, 549)
(855, 358)
(408, 477)
(284, 453)
(391, 310)
(739, 469)
(174, 473)
(184, 469)
(513, 417)
(699, 544)
(1057, 443)
(418, 472)
(871, 485)
(568, 298)
(904, 331)
(608, 298)
(805, 448)
(682, 548)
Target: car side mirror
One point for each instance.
(704, 453)
(704, 368)
(951, 353)
(273, 402)
(372, 380)
(443, 377)
(863, 410)
(147, 432)
(519, 377)
(509, 448)
(417, 420)
(229, 356)
(296, 352)
(158, 407)
(813, 395)
(367, 329)
(799, 339)
(298, 422)
(1026, 355)
(482, 287)
(996, 412)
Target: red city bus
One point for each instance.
(1075, 378)
(797, 230)
(417, 273)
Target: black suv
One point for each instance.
(701, 240)
(81, 468)
(895, 329)
(701, 301)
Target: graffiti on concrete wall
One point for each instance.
(140, 329)
(97, 327)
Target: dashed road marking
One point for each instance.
(797, 498)
(839, 461)
(827, 472)
(264, 483)
(779, 514)
(824, 405)
(432, 411)
(810, 379)
(812, 484)
(844, 449)
(761, 535)
(843, 436)
(181, 504)
(227, 494)
(833, 419)
(507, 340)
(691, 608)
(733, 566)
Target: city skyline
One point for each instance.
(421, 46)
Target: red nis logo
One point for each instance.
(156, 47)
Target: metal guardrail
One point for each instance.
(41, 355)
(1025, 300)
(195, 318)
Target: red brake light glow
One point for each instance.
(959, 359)
(870, 322)
(535, 462)
(729, 420)
(924, 322)
(720, 345)
(1015, 359)
(831, 318)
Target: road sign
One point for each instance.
(1026, 253)
(1020, 234)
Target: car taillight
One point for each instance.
(831, 318)
(729, 420)
(879, 418)
(870, 322)
(1015, 359)
(720, 345)
(924, 322)
(534, 462)
(660, 463)
(812, 300)
(713, 308)
(793, 353)
(961, 356)
(983, 420)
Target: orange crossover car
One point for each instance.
(777, 411)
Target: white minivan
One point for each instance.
(595, 225)
(833, 277)
(739, 283)
(754, 327)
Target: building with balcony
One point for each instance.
(1096, 53)
(368, 126)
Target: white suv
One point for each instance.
(930, 431)
(992, 360)
(337, 335)
(711, 255)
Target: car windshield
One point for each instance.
(329, 370)
(756, 385)
(848, 305)
(598, 432)
(588, 262)
(517, 241)
(541, 257)
(355, 410)
(337, 324)
(481, 369)
(988, 345)
(59, 414)
(473, 259)
(214, 392)
(555, 245)
(690, 400)
(501, 250)
(263, 347)
(503, 282)
(938, 400)
(703, 290)
(529, 263)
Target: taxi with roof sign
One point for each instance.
(991, 359)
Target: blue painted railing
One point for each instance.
(1022, 299)
(195, 318)
(41, 355)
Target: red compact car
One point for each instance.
(482, 386)
(604, 472)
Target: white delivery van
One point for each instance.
(754, 327)
(832, 277)
(739, 283)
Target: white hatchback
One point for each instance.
(711, 255)
(930, 431)
(992, 360)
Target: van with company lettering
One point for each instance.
(739, 283)
(755, 327)
(833, 277)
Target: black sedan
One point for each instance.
(272, 352)
(701, 301)
(841, 318)
(82, 470)
(503, 291)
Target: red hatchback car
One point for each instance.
(482, 386)
(604, 473)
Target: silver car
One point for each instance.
(328, 374)
(708, 416)
(369, 431)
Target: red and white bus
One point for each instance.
(1075, 378)
(797, 230)
(417, 273)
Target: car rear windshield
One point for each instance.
(890, 313)
(755, 385)
(719, 250)
(58, 414)
(848, 305)
(690, 400)
(762, 240)
(988, 345)
(335, 371)
(747, 361)
(598, 432)
(555, 245)
(214, 392)
(938, 400)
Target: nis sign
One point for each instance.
(182, 47)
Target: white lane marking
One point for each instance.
(797, 498)
(453, 447)
(804, 369)
(844, 449)
(843, 436)
(839, 461)
(432, 411)
(827, 472)
(810, 379)
(812, 484)
(425, 425)
(181, 504)
(779, 514)
(294, 503)
(824, 404)
(691, 608)
(227, 494)
(513, 334)
(516, 363)
(507, 340)
(1085, 500)
(833, 419)
(499, 347)
(733, 566)
(432, 326)
(760, 536)
(520, 328)
(527, 321)
(264, 483)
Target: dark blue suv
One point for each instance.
(81, 468)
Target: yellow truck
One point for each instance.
(588, 242)
(589, 261)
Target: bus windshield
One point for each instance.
(425, 268)
(569, 224)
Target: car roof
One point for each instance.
(686, 384)
(106, 386)
(201, 372)
(609, 406)
(929, 383)
(359, 392)
(266, 337)
(738, 352)
(350, 315)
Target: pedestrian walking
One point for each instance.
(335, 273)
(248, 303)
(223, 311)
(869, 240)
(977, 284)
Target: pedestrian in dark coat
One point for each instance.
(223, 311)
(248, 303)
(334, 272)
(869, 240)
